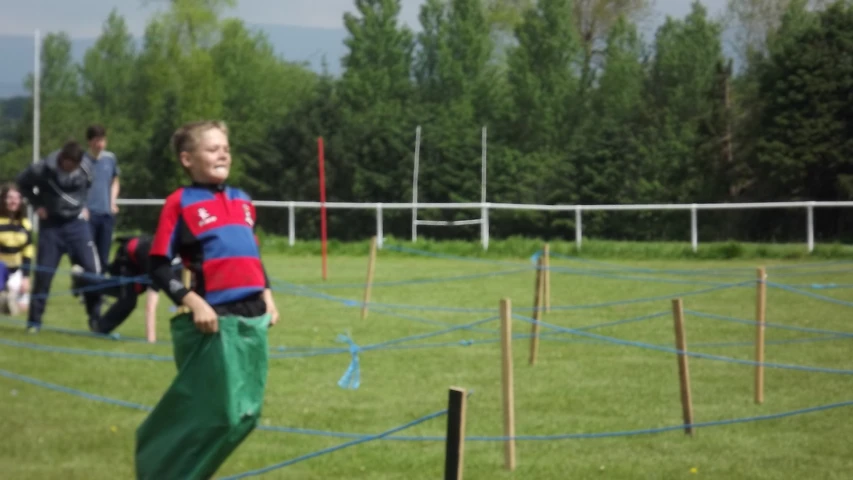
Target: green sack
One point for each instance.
(212, 405)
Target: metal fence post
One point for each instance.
(578, 228)
(694, 228)
(379, 233)
(810, 226)
(291, 223)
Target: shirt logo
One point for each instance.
(205, 218)
(248, 216)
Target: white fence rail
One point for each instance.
(486, 207)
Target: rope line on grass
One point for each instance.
(391, 306)
(702, 271)
(388, 436)
(631, 343)
(824, 298)
(351, 443)
(780, 326)
(420, 281)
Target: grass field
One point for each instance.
(580, 384)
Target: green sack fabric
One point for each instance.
(212, 405)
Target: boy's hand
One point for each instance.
(204, 316)
(272, 310)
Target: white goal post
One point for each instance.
(483, 221)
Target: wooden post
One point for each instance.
(538, 291)
(547, 265)
(187, 277)
(455, 443)
(506, 381)
(760, 310)
(683, 370)
(371, 267)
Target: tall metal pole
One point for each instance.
(36, 113)
(484, 210)
(415, 185)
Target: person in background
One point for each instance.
(130, 261)
(16, 251)
(103, 194)
(57, 187)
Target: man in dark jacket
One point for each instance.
(57, 187)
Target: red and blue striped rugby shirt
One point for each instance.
(211, 227)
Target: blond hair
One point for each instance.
(188, 136)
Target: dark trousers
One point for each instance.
(102, 225)
(126, 295)
(55, 239)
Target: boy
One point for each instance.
(131, 260)
(62, 180)
(220, 346)
(102, 200)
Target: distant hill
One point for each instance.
(296, 44)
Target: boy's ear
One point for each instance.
(185, 159)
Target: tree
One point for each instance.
(680, 92)
(379, 61)
(542, 77)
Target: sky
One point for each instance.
(83, 18)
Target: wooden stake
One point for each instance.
(538, 294)
(371, 267)
(760, 310)
(455, 443)
(187, 277)
(506, 381)
(547, 254)
(683, 370)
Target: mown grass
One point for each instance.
(580, 385)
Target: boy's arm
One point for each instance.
(267, 295)
(152, 297)
(29, 179)
(161, 253)
(29, 250)
(115, 188)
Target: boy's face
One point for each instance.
(211, 161)
(98, 144)
(67, 165)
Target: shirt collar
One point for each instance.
(214, 187)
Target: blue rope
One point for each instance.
(768, 324)
(78, 351)
(810, 294)
(661, 348)
(351, 379)
(303, 431)
(446, 256)
(324, 451)
(420, 280)
(648, 431)
(72, 391)
(390, 306)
